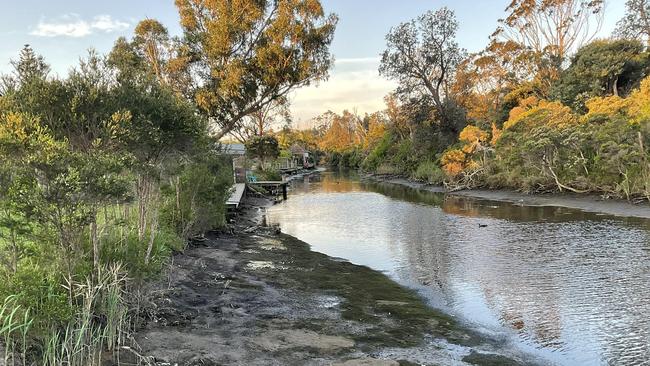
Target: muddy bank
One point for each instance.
(259, 297)
(590, 203)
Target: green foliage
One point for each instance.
(38, 288)
(351, 158)
(605, 67)
(267, 174)
(429, 172)
(194, 200)
(123, 246)
(263, 147)
(378, 153)
(82, 210)
(404, 157)
(603, 153)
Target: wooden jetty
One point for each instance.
(273, 185)
(238, 190)
(236, 195)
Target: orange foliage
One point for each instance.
(640, 102)
(376, 130)
(543, 112)
(607, 105)
(341, 134)
(473, 138)
(636, 107)
(524, 106)
(453, 162)
(496, 134)
(396, 116)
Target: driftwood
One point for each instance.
(466, 182)
(146, 360)
(559, 184)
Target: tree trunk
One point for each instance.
(152, 238)
(94, 237)
(144, 186)
(153, 226)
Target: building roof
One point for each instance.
(234, 149)
(297, 149)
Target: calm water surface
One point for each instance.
(569, 286)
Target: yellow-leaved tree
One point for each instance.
(250, 53)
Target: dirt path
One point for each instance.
(258, 297)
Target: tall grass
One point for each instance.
(101, 322)
(15, 323)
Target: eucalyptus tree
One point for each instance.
(422, 56)
(635, 24)
(247, 54)
(547, 32)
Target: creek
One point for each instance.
(568, 286)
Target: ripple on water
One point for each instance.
(574, 285)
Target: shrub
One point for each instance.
(194, 200)
(388, 169)
(429, 172)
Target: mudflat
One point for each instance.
(255, 296)
(584, 202)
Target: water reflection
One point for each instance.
(572, 284)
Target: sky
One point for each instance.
(63, 30)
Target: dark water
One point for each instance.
(569, 286)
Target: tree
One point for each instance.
(250, 53)
(548, 31)
(342, 132)
(152, 39)
(263, 148)
(376, 129)
(483, 80)
(635, 24)
(399, 121)
(262, 121)
(602, 68)
(422, 56)
(29, 67)
(152, 54)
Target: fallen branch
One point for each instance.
(557, 180)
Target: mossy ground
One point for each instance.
(394, 315)
(257, 297)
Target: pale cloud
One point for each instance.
(107, 24)
(358, 60)
(72, 25)
(354, 84)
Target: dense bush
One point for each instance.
(101, 180)
(548, 148)
(429, 172)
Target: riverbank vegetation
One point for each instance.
(545, 107)
(108, 170)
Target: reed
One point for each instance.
(101, 322)
(15, 322)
